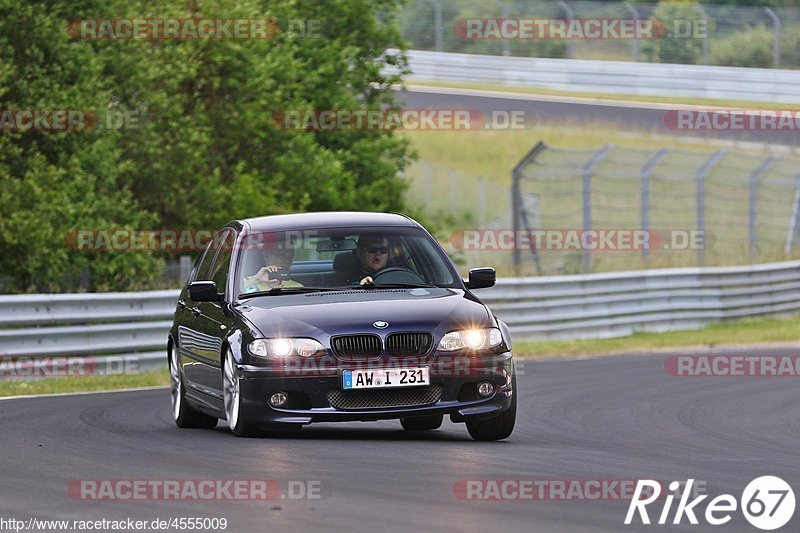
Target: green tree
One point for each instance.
(54, 182)
(205, 147)
(209, 148)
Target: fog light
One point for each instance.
(278, 399)
(486, 389)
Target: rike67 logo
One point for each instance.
(767, 502)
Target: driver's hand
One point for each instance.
(366, 280)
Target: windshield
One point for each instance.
(293, 261)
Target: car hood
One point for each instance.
(324, 314)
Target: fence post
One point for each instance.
(703, 14)
(453, 195)
(437, 25)
(791, 237)
(647, 171)
(185, 267)
(753, 206)
(702, 173)
(634, 42)
(588, 169)
(776, 24)
(505, 15)
(516, 197)
(481, 203)
(570, 15)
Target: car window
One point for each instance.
(317, 257)
(202, 271)
(219, 270)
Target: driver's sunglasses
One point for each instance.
(377, 249)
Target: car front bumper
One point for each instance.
(311, 390)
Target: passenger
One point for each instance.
(277, 258)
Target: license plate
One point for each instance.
(385, 378)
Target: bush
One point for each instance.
(665, 49)
(752, 47)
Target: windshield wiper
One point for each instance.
(276, 291)
(396, 286)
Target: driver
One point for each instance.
(372, 252)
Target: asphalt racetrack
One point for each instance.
(579, 112)
(609, 418)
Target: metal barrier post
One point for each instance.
(702, 173)
(505, 15)
(516, 197)
(790, 239)
(776, 24)
(588, 169)
(753, 205)
(437, 25)
(647, 171)
(634, 42)
(570, 15)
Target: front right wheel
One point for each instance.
(498, 427)
(232, 397)
(182, 412)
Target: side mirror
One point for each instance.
(480, 278)
(204, 291)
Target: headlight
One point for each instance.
(286, 347)
(471, 339)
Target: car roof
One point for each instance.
(327, 219)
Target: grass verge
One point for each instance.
(728, 334)
(83, 383)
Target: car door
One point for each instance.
(199, 334)
(215, 319)
(192, 342)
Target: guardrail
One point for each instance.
(134, 326)
(621, 77)
(621, 303)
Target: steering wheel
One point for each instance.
(397, 275)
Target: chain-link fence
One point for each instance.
(747, 36)
(618, 208)
(462, 198)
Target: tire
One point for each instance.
(498, 427)
(422, 423)
(232, 394)
(183, 414)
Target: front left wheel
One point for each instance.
(183, 414)
(498, 427)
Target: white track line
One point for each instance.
(82, 393)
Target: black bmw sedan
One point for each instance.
(326, 317)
